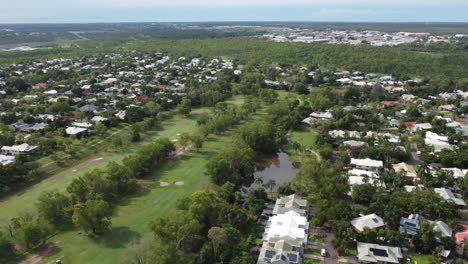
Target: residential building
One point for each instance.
(371, 221)
(76, 131)
(407, 170)
(374, 253)
(411, 225)
(16, 149)
(448, 196)
(367, 164)
(291, 203)
(321, 115)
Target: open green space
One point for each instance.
(133, 214)
(305, 138)
(23, 200)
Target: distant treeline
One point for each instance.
(390, 60)
(398, 61)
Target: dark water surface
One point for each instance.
(277, 167)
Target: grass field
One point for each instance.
(133, 214)
(23, 200)
(307, 140)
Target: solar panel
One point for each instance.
(292, 257)
(270, 253)
(379, 252)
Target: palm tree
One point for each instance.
(259, 180)
(271, 183)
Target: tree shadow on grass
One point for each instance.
(117, 237)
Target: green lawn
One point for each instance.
(24, 199)
(423, 259)
(312, 251)
(133, 215)
(305, 138)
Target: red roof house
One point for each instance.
(462, 235)
(388, 103)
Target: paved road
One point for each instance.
(415, 157)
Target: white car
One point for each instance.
(323, 252)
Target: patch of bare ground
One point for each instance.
(47, 251)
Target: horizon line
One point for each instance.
(238, 21)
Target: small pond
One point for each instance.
(278, 168)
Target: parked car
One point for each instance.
(323, 252)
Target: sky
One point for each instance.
(88, 11)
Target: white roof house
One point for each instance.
(375, 253)
(371, 221)
(23, 148)
(443, 228)
(447, 195)
(422, 126)
(367, 164)
(75, 130)
(435, 136)
(50, 92)
(357, 177)
(288, 226)
(97, 119)
(321, 115)
(83, 124)
(438, 142)
(457, 173)
(344, 81)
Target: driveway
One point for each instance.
(332, 257)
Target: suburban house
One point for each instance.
(358, 177)
(15, 150)
(443, 229)
(76, 131)
(285, 232)
(354, 144)
(438, 142)
(462, 238)
(367, 164)
(374, 253)
(371, 221)
(448, 196)
(82, 125)
(408, 170)
(411, 225)
(321, 115)
(457, 173)
(422, 126)
(281, 251)
(291, 203)
(288, 226)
